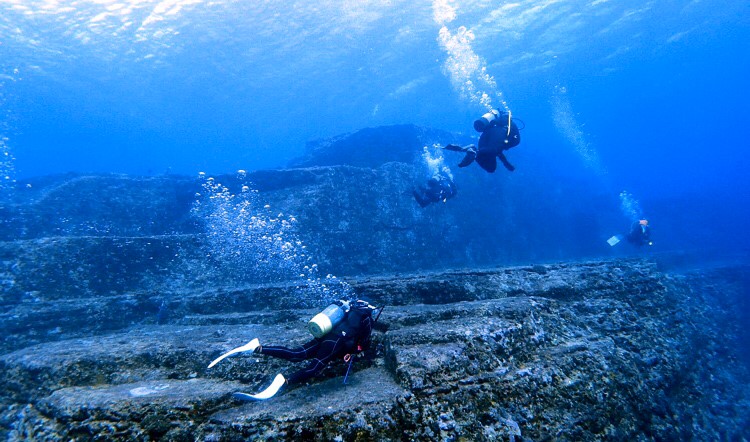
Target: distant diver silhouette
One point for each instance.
(639, 235)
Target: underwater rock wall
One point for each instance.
(85, 235)
(114, 299)
(610, 350)
(98, 205)
(88, 234)
(354, 209)
(374, 146)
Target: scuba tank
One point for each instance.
(323, 322)
(486, 120)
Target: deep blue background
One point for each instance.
(658, 91)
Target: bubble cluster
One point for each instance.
(258, 244)
(435, 162)
(7, 161)
(7, 169)
(630, 206)
(443, 12)
(466, 70)
(563, 116)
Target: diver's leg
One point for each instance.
(487, 161)
(470, 151)
(328, 349)
(505, 162)
(315, 367)
(294, 355)
(420, 197)
(471, 154)
(457, 148)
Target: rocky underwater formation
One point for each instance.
(118, 291)
(613, 350)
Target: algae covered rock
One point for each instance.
(577, 351)
(117, 292)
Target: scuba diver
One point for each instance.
(499, 133)
(639, 235)
(439, 188)
(342, 330)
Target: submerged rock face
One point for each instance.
(375, 146)
(116, 292)
(590, 351)
(353, 221)
(354, 208)
(98, 205)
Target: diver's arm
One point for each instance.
(507, 165)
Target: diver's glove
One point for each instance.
(268, 393)
(362, 304)
(250, 346)
(344, 304)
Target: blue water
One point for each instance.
(644, 100)
(649, 97)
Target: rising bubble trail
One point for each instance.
(630, 206)
(259, 244)
(466, 70)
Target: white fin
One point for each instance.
(250, 346)
(268, 393)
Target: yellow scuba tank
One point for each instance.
(323, 322)
(485, 120)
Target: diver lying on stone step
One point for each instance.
(342, 330)
(499, 133)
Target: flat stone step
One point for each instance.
(36, 317)
(165, 407)
(128, 401)
(592, 366)
(363, 388)
(156, 352)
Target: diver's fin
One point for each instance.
(613, 241)
(454, 148)
(250, 346)
(471, 154)
(268, 393)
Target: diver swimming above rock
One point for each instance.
(499, 133)
(639, 235)
(342, 330)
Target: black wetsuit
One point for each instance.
(350, 336)
(639, 234)
(439, 188)
(494, 140)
